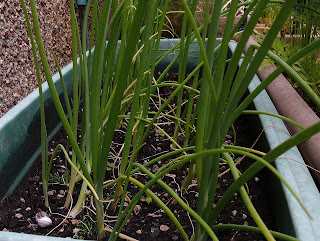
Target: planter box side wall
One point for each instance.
(20, 132)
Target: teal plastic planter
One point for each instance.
(81, 2)
(20, 146)
(20, 133)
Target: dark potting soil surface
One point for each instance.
(17, 212)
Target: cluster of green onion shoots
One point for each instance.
(109, 80)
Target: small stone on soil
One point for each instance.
(234, 213)
(164, 228)
(50, 193)
(59, 196)
(174, 202)
(43, 220)
(18, 216)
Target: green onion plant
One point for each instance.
(114, 81)
(306, 17)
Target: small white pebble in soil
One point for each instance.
(50, 193)
(76, 230)
(43, 220)
(28, 209)
(138, 231)
(22, 200)
(59, 196)
(244, 216)
(170, 175)
(18, 216)
(234, 213)
(256, 179)
(164, 228)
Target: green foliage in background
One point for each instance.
(303, 27)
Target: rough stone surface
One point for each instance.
(17, 74)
